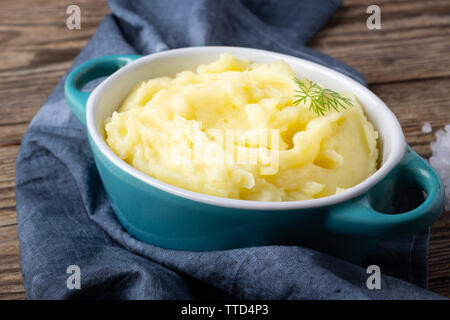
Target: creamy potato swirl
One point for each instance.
(230, 129)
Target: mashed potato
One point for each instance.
(230, 129)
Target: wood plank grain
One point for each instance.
(32, 30)
(40, 49)
(11, 286)
(416, 102)
(10, 275)
(7, 182)
(20, 105)
(414, 42)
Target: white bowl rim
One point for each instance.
(396, 154)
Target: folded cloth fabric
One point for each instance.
(64, 217)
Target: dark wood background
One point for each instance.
(407, 64)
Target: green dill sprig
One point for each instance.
(321, 100)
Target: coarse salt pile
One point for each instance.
(440, 159)
(427, 127)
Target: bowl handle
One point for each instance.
(358, 217)
(90, 70)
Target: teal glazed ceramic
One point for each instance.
(346, 225)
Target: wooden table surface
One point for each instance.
(407, 64)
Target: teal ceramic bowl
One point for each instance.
(346, 225)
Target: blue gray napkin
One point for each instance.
(64, 217)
